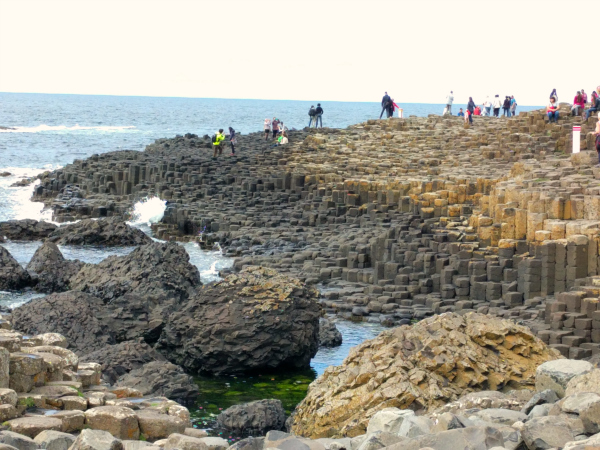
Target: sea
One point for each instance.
(48, 131)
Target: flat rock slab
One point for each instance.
(32, 426)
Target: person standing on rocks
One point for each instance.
(513, 106)
(449, 101)
(497, 105)
(267, 127)
(597, 133)
(217, 143)
(506, 107)
(470, 109)
(318, 116)
(232, 140)
(311, 114)
(487, 107)
(275, 126)
(385, 103)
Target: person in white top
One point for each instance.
(487, 107)
(497, 104)
(449, 101)
(267, 126)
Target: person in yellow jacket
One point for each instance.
(217, 143)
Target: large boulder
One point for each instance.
(329, 335)
(257, 319)
(483, 437)
(255, 418)
(54, 440)
(555, 375)
(161, 378)
(156, 270)
(110, 231)
(72, 314)
(420, 367)
(550, 431)
(12, 275)
(96, 440)
(26, 230)
(119, 421)
(51, 270)
(120, 359)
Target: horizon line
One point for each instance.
(222, 98)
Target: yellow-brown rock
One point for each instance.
(420, 367)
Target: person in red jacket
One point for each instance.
(578, 104)
(477, 111)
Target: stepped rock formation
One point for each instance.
(420, 368)
(26, 230)
(257, 319)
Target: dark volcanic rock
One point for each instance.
(134, 316)
(253, 320)
(329, 335)
(26, 230)
(255, 417)
(161, 378)
(120, 359)
(158, 270)
(72, 314)
(12, 275)
(107, 232)
(51, 270)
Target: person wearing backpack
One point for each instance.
(311, 114)
(217, 141)
(318, 116)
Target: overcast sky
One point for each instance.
(349, 50)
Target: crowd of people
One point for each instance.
(579, 103)
(488, 108)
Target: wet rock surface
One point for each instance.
(256, 319)
(156, 270)
(106, 232)
(329, 335)
(26, 230)
(12, 275)
(256, 418)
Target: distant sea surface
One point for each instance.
(52, 130)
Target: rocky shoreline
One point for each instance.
(480, 242)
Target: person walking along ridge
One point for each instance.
(385, 102)
(471, 109)
(318, 116)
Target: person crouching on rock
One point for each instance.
(217, 143)
(281, 140)
(232, 140)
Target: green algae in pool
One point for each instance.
(218, 394)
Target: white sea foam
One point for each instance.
(63, 128)
(148, 211)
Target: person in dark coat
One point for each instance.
(385, 105)
(471, 109)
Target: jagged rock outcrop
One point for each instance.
(120, 359)
(329, 335)
(255, 418)
(72, 314)
(161, 378)
(12, 275)
(110, 231)
(50, 270)
(156, 270)
(26, 230)
(420, 367)
(252, 320)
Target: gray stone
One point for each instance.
(501, 416)
(249, 444)
(388, 419)
(483, 438)
(547, 432)
(539, 411)
(256, 417)
(415, 426)
(54, 440)
(587, 382)
(182, 442)
(539, 398)
(329, 335)
(380, 439)
(555, 375)
(96, 440)
(17, 440)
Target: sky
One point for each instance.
(330, 50)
